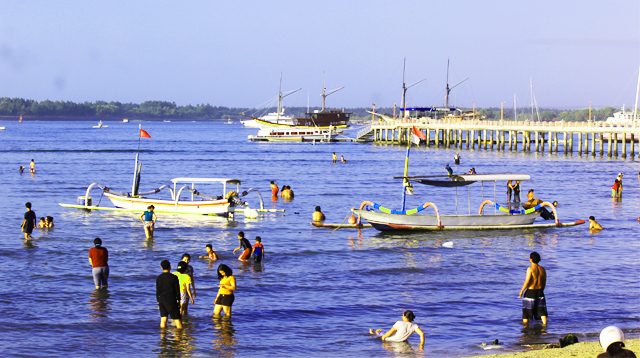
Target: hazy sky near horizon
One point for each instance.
(231, 53)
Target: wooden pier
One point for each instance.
(582, 137)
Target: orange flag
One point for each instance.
(144, 134)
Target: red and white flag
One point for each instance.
(417, 135)
(144, 134)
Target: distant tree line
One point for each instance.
(169, 110)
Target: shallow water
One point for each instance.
(318, 290)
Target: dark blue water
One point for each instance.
(318, 290)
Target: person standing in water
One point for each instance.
(32, 167)
(225, 297)
(99, 261)
(401, 330)
(184, 280)
(534, 305)
(29, 222)
(245, 246)
(186, 258)
(334, 158)
(274, 190)
(149, 219)
(342, 160)
(258, 250)
(168, 296)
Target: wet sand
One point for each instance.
(582, 349)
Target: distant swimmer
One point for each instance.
(211, 254)
(258, 250)
(401, 330)
(245, 246)
(616, 188)
(317, 216)
(42, 224)
(594, 226)
(225, 297)
(99, 261)
(168, 296)
(456, 159)
(149, 219)
(274, 190)
(49, 221)
(287, 193)
(29, 222)
(449, 170)
(534, 305)
(334, 158)
(32, 167)
(21, 169)
(342, 160)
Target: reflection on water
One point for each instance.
(400, 349)
(224, 340)
(176, 342)
(99, 304)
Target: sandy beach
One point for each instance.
(582, 349)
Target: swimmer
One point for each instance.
(401, 330)
(317, 216)
(49, 221)
(456, 159)
(342, 160)
(594, 226)
(211, 254)
(42, 224)
(449, 170)
(21, 169)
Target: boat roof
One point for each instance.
(464, 179)
(205, 180)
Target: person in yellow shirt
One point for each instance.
(225, 297)
(185, 287)
(317, 216)
(594, 226)
(334, 158)
(32, 167)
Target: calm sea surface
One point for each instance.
(319, 290)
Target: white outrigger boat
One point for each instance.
(185, 197)
(502, 217)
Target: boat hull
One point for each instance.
(393, 222)
(204, 207)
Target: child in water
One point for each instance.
(258, 250)
(211, 254)
(42, 224)
(594, 226)
(401, 330)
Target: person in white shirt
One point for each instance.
(401, 330)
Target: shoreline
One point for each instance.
(581, 349)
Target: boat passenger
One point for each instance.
(42, 224)
(509, 190)
(317, 216)
(594, 226)
(245, 246)
(533, 201)
(49, 221)
(516, 192)
(472, 171)
(401, 330)
(211, 253)
(449, 170)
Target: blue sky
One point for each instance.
(232, 52)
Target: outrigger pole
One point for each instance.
(405, 179)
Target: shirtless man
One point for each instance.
(532, 292)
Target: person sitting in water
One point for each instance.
(42, 224)
(342, 160)
(49, 221)
(532, 201)
(318, 215)
(594, 226)
(612, 341)
(401, 330)
(21, 169)
(211, 254)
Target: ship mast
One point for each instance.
(447, 89)
(635, 107)
(326, 94)
(405, 88)
(281, 96)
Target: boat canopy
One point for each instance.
(464, 179)
(205, 180)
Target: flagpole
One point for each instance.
(405, 180)
(136, 173)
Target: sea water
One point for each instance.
(318, 291)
